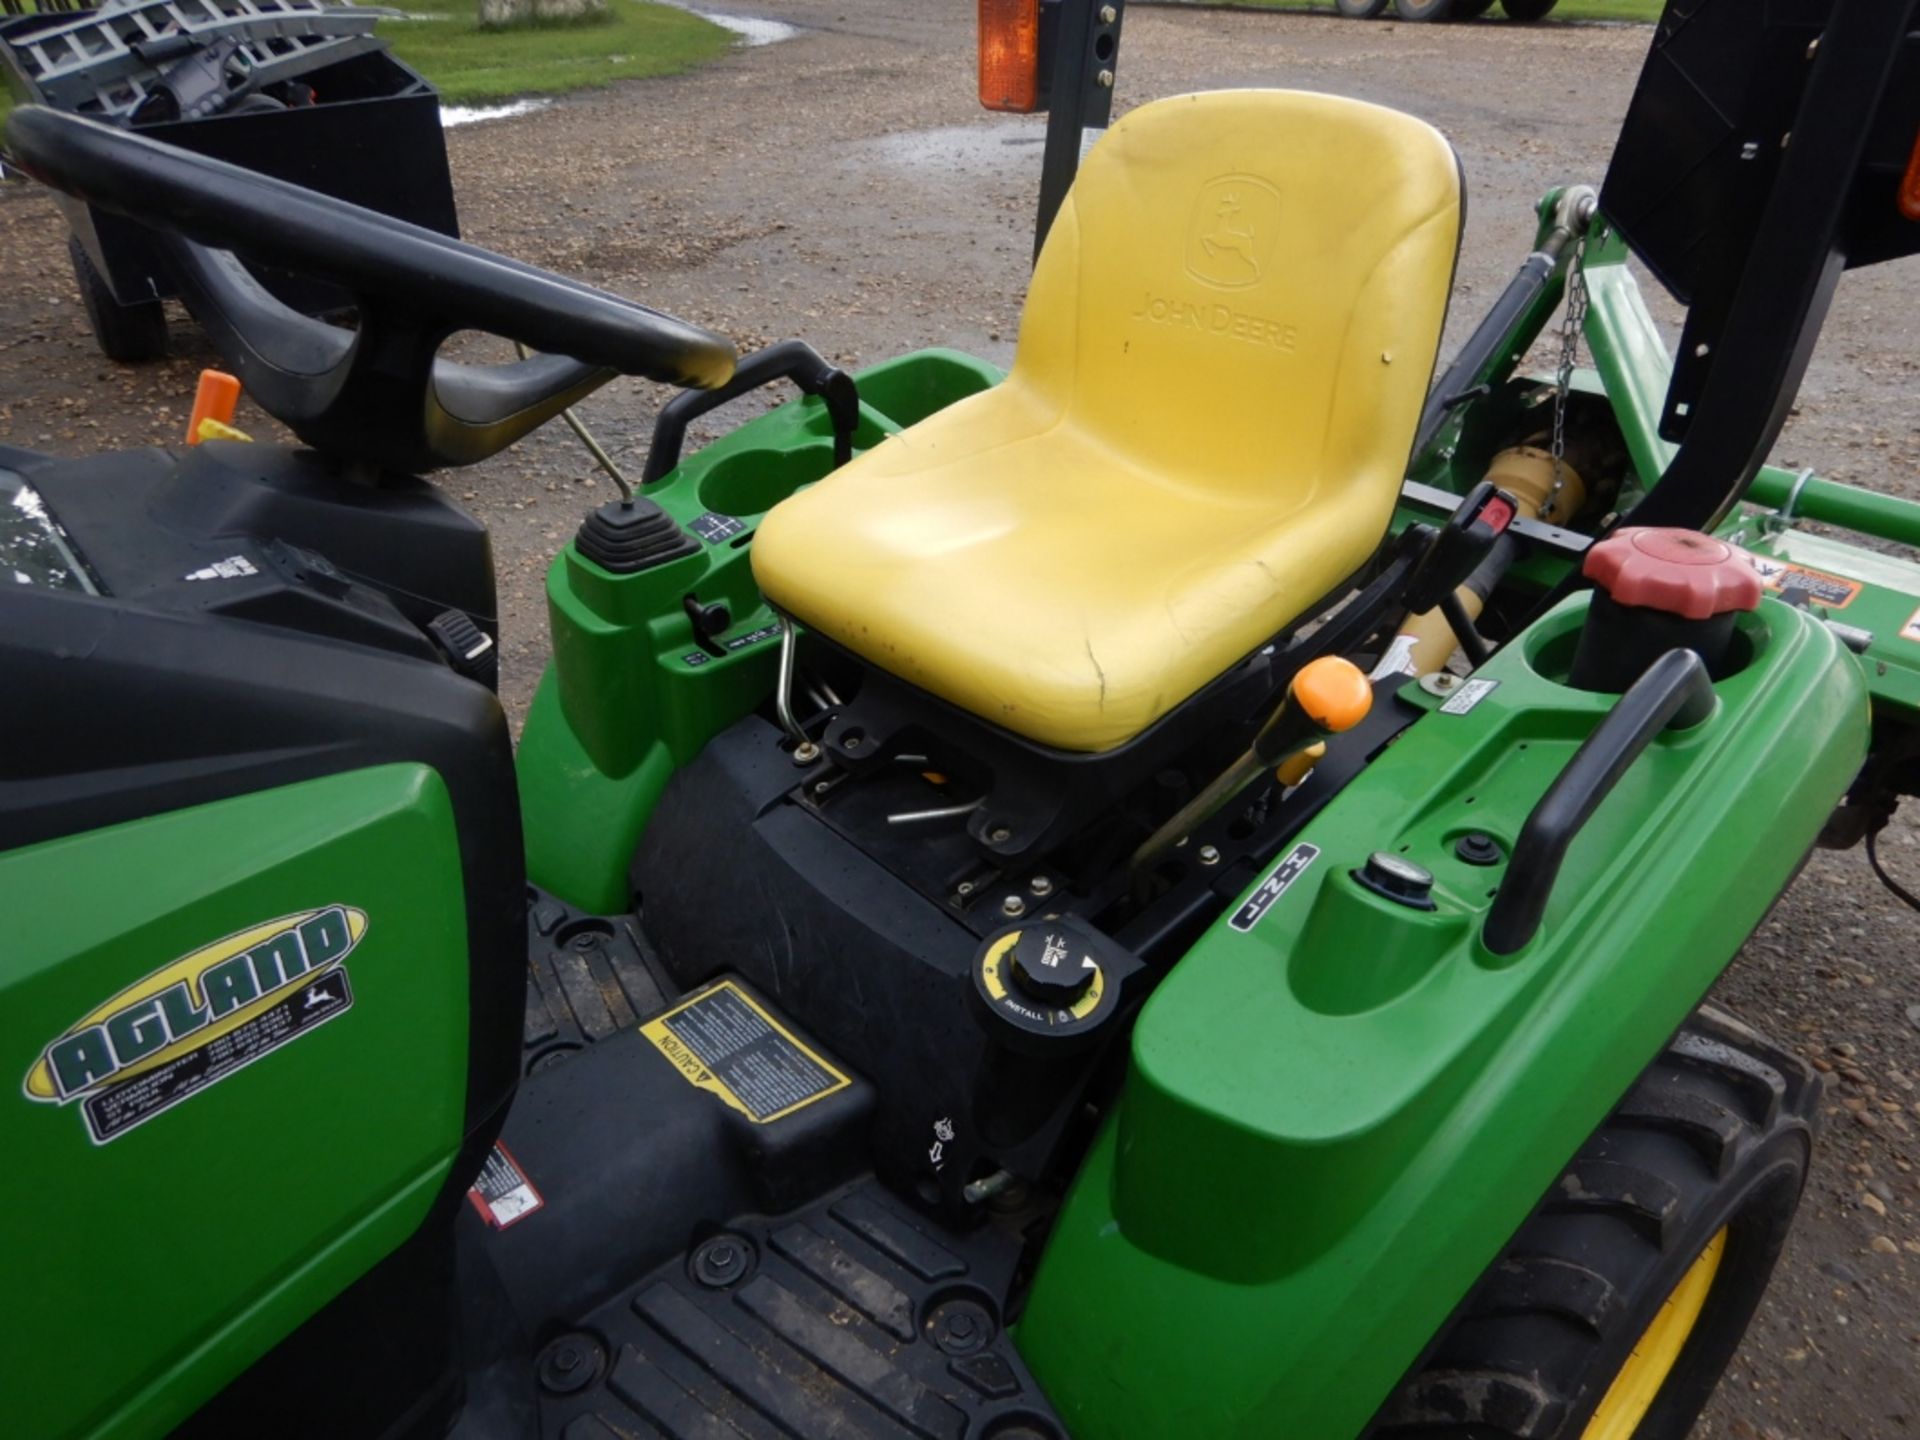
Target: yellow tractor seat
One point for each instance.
(1226, 345)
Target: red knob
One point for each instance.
(1679, 572)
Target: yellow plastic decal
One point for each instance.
(723, 1042)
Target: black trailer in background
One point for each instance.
(297, 89)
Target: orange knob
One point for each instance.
(1333, 693)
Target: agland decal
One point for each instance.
(198, 1019)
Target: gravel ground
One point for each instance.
(844, 187)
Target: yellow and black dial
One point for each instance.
(1050, 983)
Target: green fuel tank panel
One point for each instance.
(1338, 1111)
(238, 1037)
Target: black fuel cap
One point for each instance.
(1052, 966)
(1401, 881)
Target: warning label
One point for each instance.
(1911, 630)
(503, 1194)
(118, 1108)
(723, 1042)
(1816, 587)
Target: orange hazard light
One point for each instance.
(1909, 183)
(1010, 55)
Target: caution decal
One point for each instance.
(723, 1042)
(1836, 592)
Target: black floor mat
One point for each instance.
(845, 1321)
(587, 978)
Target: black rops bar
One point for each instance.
(1749, 205)
(1085, 37)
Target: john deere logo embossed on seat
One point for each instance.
(1230, 237)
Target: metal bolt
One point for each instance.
(1000, 834)
(1041, 886)
(1013, 907)
(806, 754)
(1813, 47)
(960, 1327)
(1105, 79)
(1439, 683)
(1108, 14)
(820, 787)
(570, 1364)
(721, 1261)
(1209, 855)
(852, 742)
(965, 887)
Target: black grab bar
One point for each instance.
(1674, 688)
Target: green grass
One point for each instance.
(469, 64)
(1642, 10)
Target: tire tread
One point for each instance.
(1567, 1299)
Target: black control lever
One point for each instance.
(1467, 538)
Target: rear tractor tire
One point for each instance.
(1527, 11)
(1616, 1307)
(127, 333)
(1359, 9)
(1429, 11)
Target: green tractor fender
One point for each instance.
(1338, 1109)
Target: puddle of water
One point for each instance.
(750, 30)
(964, 149)
(452, 115)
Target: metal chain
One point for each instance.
(1571, 324)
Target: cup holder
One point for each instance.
(1550, 646)
(754, 481)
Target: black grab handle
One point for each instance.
(793, 360)
(1675, 685)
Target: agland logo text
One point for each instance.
(200, 1018)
